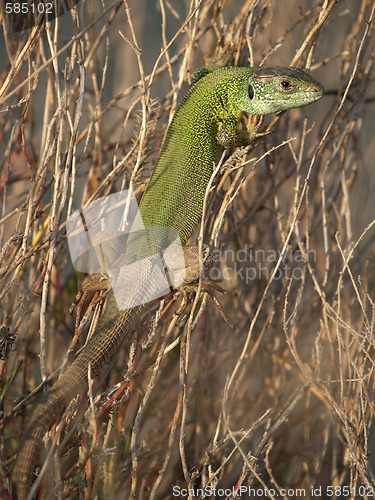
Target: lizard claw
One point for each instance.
(207, 287)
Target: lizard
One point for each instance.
(207, 117)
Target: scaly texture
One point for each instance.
(173, 199)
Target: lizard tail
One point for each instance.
(40, 423)
(105, 342)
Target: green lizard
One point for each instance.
(208, 116)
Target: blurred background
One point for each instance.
(285, 400)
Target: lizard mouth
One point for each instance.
(314, 93)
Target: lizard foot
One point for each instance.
(244, 137)
(97, 283)
(208, 286)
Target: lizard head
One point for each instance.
(274, 88)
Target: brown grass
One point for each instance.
(286, 401)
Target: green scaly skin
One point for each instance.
(174, 198)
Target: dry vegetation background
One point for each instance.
(286, 400)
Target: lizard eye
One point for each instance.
(285, 84)
(251, 92)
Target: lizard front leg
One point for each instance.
(229, 139)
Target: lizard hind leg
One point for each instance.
(191, 282)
